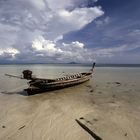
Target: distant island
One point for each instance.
(73, 63)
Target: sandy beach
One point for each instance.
(54, 47)
(109, 106)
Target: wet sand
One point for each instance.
(110, 109)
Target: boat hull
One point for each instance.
(56, 85)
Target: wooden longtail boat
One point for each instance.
(38, 85)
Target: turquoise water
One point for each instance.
(102, 74)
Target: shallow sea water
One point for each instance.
(101, 76)
(41, 71)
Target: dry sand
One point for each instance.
(109, 109)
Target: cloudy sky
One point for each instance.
(57, 31)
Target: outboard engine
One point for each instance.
(27, 74)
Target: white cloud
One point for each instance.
(53, 19)
(45, 47)
(74, 51)
(58, 38)
(65, 21)
(75, 45)
(53, 4)
(8, 52)
(79, 17)
(22, 22)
